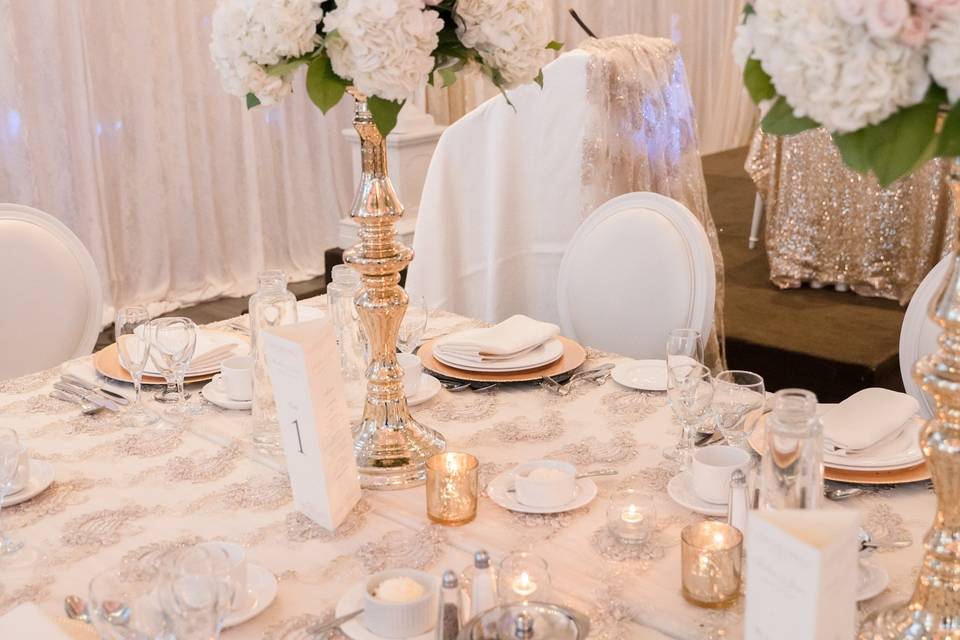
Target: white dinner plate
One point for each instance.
(207, 341)
(213, 392)
(353, 600)
(261, 592)
(680, 491)
(41, 477)
(428, 388)
(872, 581)
(498, 492)
(643, 375)
(901, 452)
(549, 351)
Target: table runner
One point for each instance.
(124, 493)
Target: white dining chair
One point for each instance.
(50, 292)
(919, 333)
(639, 266)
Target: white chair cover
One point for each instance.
(509, 186)
(637, 268)
(50, 290)
(919, 333)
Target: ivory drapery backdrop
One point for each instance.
(113, 120)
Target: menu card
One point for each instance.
(802, 574)
(27, 621)
(304, 367)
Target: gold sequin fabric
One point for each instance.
(826, 223)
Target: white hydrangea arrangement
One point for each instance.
(875, 73)
(385, 49)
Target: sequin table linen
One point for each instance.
(829, 224)
(127, 494)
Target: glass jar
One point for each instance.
(791, 475)
(341, 293)
(271, 306)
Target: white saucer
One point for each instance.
(429, 387)
(497, 490)
(681, 492)
(213, 392)
(353, 600)
(261, 592)
(548, 352)
(643, 375)
(872, 581)
(41, 477)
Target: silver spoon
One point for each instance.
(333, 624)
(842, 493)
(76, 608)
(585, 474)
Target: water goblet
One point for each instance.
(690, 389)
(131, 328)
(12, 553)
(173, 342)
(684, 346)
(123, 606)
(738, 401)
(413, 325)
(196, 591)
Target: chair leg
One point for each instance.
(755, 223)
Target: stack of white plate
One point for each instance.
(549, 351)
(901, 452)
(218, 344)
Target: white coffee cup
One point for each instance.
(545, 492)
(237, 559)
(412, 369)
(712, 468)
(236, 378)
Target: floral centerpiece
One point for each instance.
(385, 49)
(876, 74)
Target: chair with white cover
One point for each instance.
(638, 267)
(50, 290)
(919, 333)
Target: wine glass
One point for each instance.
(131, 328)
(413, 325)
(196, 591)
(690, 389)
(173, 342)
(122, 606)
(738, 400)
(684, 346)
(12, 553)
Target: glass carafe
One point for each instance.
(792, 466)
(346, 326)
(271, 306)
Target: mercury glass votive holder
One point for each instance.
(631, 516)
(452, 488)
(523, 577)
(711, 558)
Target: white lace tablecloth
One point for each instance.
(122, 493)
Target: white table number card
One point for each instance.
(304, 367)
(802, 574)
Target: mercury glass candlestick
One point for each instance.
(710, 564)
(631, 516)
(452, 488)
(391, 447)
(523, 577)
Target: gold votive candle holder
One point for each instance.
(711, 559)
(452, 488)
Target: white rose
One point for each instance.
(853, 11)
(944, 47)
(885, 18)
(743, 42)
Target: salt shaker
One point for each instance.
(448, 621)
(479, 581)
(737, 502)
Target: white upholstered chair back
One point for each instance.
(919, 334)
(638, 267)
(49, 291)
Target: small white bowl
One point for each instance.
(551, 492)
(400, 619)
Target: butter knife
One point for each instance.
(89, 396)
(95, 388)
(333, 624)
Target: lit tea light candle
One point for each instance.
(452, 488)
(711, 558)
(524, 585)
(631, 516)
(522, 576)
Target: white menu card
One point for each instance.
(304, 367)
(802, 574)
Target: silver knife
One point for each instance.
(90, 386)
(96, 399)
(333, 624)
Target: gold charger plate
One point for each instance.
(917, 473)
(107, 363)
(573, 356)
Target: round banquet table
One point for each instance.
(126, 494)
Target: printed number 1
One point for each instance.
(296, 425)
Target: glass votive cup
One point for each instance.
(710, 564)
(631, 516)
(452, 488)
(523, 577)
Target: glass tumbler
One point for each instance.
(791, 472)
(523, 577)
(452, 488)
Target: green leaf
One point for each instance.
(384, 113)
(758, 82)
(748, 9)
(324, 87)
(539, 78)
(252, 100)
(448, 75)
(554, 45)
(284, 68)
(856, 148)
(780, 120)
(949, 146)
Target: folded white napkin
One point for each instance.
(865, 419)
(27, 621)
(513, 337)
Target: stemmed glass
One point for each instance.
(690, 389)
(738, 401)
(173, 342)
(12, 554)
(196, 591)
(413, 325)
(684, 346)
(132, 330)
(123, 606)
